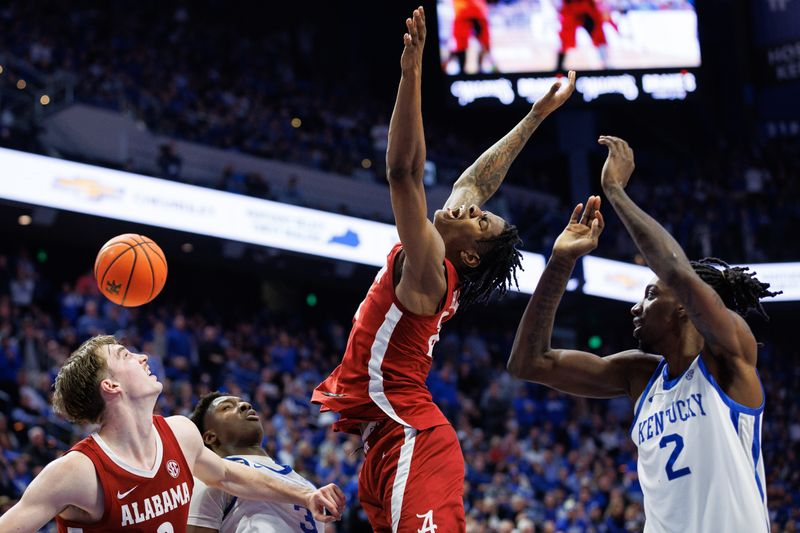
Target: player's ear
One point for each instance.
(210, 438)
(470, 258)
(109, 386)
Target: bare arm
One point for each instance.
(247, 483)
(482, 179)
(423, 281)
(67, 481)
(726, 333)
(572, 371)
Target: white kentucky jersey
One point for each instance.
(216, 509)
(700, 464)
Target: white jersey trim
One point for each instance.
(401, 476)
(640, 400)
(377, 353)
(150, 474)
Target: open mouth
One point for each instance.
(252, 415)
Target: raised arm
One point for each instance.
(726, 333)
(67, 481)
(572, 371)
(422, 280)
(247, 483)
(482, 179)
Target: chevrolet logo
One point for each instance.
(621, 279)
(87, 187)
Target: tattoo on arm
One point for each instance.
(480, 181)
(536, 326)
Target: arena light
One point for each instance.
(44, 181)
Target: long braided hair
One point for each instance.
(500, 260)
(739, 289)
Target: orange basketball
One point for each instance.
(130, 270)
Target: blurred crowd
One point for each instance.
(205, 74)
(536, 460)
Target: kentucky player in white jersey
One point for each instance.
(699, 402)
(232, 429)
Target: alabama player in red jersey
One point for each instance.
(581, 13)
(135, 473)
(413, 475)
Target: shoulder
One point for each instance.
(188, 437)
(70, 480)
(638, 366)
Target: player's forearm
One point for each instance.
(482, 179)
(660, 250)
(405, 152)
(249, 484)
(532, 341)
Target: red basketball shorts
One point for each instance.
(413, 481)
(578, 14)
(464, 26)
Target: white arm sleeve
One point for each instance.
(207, 506)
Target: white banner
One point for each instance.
(49, 182)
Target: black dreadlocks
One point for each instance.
(739, 290)
(198, 416)
(500, 260)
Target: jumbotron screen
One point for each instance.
(511, 50)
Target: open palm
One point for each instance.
(582, 232)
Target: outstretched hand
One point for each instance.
(556, 96)
(330, 498)
(414, 41)
(582, 232)
(619, 164)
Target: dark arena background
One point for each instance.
(248, 140)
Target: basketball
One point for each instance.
(130, 270)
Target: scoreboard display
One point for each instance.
(507, 51)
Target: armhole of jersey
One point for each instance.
(732, 404)
(100, 474)
(640, 400)
(392, 258)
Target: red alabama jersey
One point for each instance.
(387, 360)
(136, 500)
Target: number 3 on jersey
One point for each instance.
(678, 441)
(309, 526)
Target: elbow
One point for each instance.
(403, 172)
(532, 368)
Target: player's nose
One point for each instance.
(143, 357)
(245, 406)
(636, 310)
(475, 211)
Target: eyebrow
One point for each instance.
(118, 351)
(224, 399)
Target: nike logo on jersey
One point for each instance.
(121, 495)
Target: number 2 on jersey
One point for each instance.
(673, 457)
(309, 526)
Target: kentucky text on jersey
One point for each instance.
(674, 414)
(156, 505)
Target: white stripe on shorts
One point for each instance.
(401, 477)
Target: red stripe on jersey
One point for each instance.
(135, 500)
(387, 359)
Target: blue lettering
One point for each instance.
(689, 406)
(680, 404)
(698, 397)
(671, 414)
(650, 427)
(641, 433)
(659, 418)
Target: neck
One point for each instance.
(680, 353)
(129, 431)
(228, 450)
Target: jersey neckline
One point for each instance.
(150, 474)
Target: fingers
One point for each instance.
(616, 146)
(592, 205)
(412, 29)
(338, 496)
(598, 224)
(323, 503)
(573, 219)
(419, 20)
